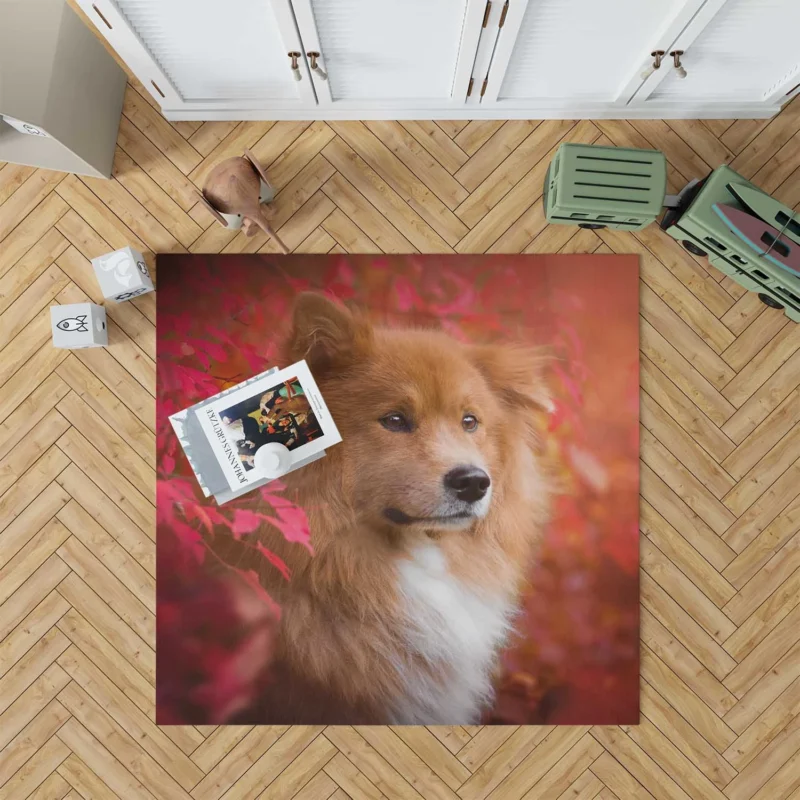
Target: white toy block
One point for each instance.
(122, 274)
(78, 325)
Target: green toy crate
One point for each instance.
(605, 187)
(702, 232)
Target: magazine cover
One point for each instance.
(284, 407)
(197, 448)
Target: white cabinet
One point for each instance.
(587, 58)
(744, 52)
(578, 52)
(390, 54)
(435, 59)
(208, 57)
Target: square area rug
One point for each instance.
(468, 554)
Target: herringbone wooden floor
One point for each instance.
(720, 548)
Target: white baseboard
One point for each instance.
(650, 111)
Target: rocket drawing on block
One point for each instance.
(74, 324)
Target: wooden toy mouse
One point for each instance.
(233, 193)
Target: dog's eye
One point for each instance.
(396, 423)
(469, 422)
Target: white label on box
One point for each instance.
(25, 127)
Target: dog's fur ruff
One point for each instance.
(392, 623)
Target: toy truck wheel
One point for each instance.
(693, 248)
(592, 226)
(769, 301)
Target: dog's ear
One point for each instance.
(516, 373)
(327, 335)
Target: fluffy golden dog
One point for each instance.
(423, 522)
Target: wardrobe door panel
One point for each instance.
(749, 51)
(383, 52)
(580, 56)
(581, 50)
(208, 54)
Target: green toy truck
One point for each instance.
(609, 187)
(702, 232)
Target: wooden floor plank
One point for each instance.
(679, 734)
(108, 441)
(28, 529)
(153, 161)
(34, 736)
(119, 743)
(475, 133)
(209, 135)
(780, 423)
(692, 708)
(12, 176)
(31, 629)
(92, 770)
(420, 216)
(502, 144)
(105, 406)
(30, 267)
(290, 160)
(31, 592)
(37, 296)
(125, 712)
(510, 172)
(682, 555)
(426, 168)
(761, 403)
(126, 568)
(31, 230)
(159, 131)
(781, 528)
(90, 605)
(78, 449)
(769, 724)
(38, 768)
(452, 127)
(107, 586)
(157, 202)
(35, 189)
(437, 143)
(229, 770)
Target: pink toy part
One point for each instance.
(764, 239)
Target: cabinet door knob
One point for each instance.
(313, 56)
(676, 56)
(657, 56)
(296, 74)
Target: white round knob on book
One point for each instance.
(273, 459)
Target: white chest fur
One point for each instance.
(455, 630)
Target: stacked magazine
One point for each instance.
(252, 433)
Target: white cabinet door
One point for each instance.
(746, 51)
(206, 54)
(390, 54)
(579, 54)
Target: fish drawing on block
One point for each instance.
(77, 324)
(761, 237)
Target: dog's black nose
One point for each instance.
(469, 483)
